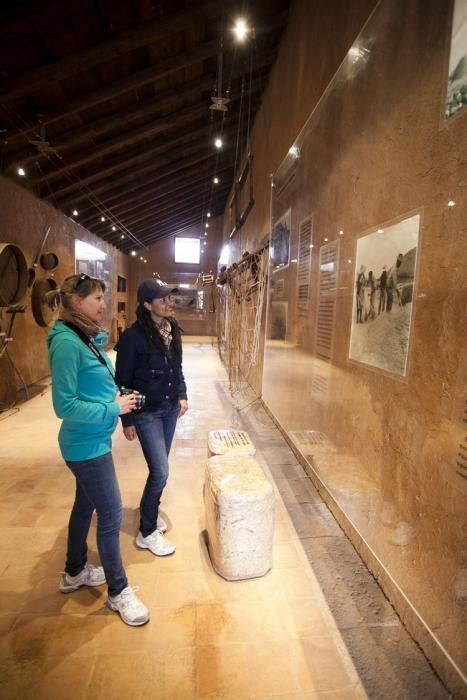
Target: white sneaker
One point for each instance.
(89, 576)
(156, 543)
(161, 524)
(131, 609)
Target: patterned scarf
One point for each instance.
(89, 327)
(165, 329)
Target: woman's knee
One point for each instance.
(109, 519)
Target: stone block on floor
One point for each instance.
(239, 503)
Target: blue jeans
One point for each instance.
(155, 430)
(96, 489)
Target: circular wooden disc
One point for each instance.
(13, 274)
(44, 304)
(49, 261)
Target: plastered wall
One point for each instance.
(23, 222)
(382, 442)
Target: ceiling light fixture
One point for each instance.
(21, 172)
(133, 252)
(102, 219)
(122, 236)
(218, 143)
(74, 212)
(451, 203)
(216, 180)
(240, 29)
(208, 214)
(114, 228)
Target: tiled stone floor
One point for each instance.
(315, 627)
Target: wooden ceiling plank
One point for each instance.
(79, 61)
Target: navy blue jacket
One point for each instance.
(145, 367)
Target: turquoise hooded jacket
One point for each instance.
(83, 394)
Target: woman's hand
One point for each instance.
(183, 407)
(129, 432)
(127, 403)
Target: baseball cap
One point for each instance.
(154, 289)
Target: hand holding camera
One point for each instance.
(139, 399)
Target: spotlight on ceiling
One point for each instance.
(21, 172)
(208, 214)
(74, 212)
(133, 253)
(216, 180)
(102, 219)
(114, 228)
(218, 143)
(122, 236)
(240, 29)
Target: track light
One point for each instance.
(218, 143)
(21, 172)
(216, 180)
(74, 212)
(240, 29)
(102, 219)
(114, 228)
(133, 253)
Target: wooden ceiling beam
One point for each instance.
(139, 110)
(195, 193)
(125, 139)
(125, 167)
(103, 94)
(79, 61)
(125, 183)
(150, 196)
(179, 209)
(182, 143)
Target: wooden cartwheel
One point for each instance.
(13, 274)
(45, 301)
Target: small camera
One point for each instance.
(140, 398)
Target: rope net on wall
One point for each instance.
(240, 309)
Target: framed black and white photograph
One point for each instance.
(456, 97)
(280, 242)
(383, 294)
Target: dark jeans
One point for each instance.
(96, 489)
(155, 431)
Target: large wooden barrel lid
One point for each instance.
(13, 274)
(45, 304)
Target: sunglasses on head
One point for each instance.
(82, 277)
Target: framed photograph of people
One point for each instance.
(456, 96)
(383, 294)
(280, 242)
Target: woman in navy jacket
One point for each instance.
(149, 360)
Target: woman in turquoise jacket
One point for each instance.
(85, 396)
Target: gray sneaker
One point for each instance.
(132, 611)
(156, 543)
(90, 576)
